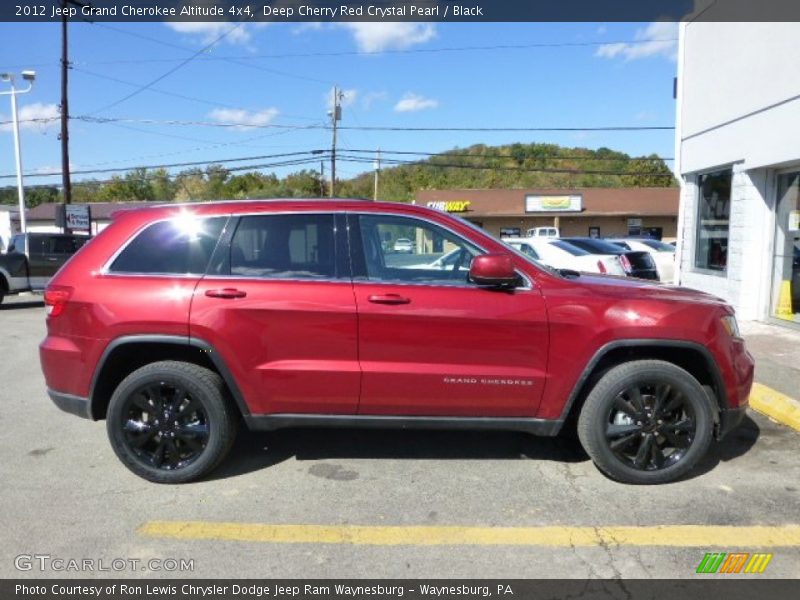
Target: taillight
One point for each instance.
(55, 299)
(601, 267)
(626, 264)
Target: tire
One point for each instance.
(171, 422)
(646, 422)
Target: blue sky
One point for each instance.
(401, 82)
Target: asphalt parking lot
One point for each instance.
(303, 503)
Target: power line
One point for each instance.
(449, 154)
(169, 72)
(359, 159)
(231, 60)
(96, 182)
(316, 153)
(178, 122)
(451, 49)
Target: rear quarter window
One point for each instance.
(174, 247)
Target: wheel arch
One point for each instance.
(125, 354)
(690, 356)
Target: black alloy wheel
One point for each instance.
(171, 422)
(650, 426)
(646, 421)
(164, 426)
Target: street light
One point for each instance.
(28, 76)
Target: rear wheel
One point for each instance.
(170, 422)
(645, 422)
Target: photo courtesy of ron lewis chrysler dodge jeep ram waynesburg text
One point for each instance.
(179, 322)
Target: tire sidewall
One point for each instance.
(592, 421)
(212, 403)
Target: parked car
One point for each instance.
(635, 264)
(31, 259)
(404, 245)
(663, 254)
(548, 232)
(180, 321)
(559, 254)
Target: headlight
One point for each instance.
(731, 326)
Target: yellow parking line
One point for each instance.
(662, 535)
(782, 408)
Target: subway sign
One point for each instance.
(452, 206)
(565, 203)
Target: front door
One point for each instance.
(278, 308)
(430, 342)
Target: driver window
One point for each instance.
(403, 249)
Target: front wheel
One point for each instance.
(170, 422)
(646, 422)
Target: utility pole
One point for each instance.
(64, 136)
(336, 116)
(65, 179)
(321, 178)
(377, 166)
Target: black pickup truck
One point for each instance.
(33, 258)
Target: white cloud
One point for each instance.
(45, 115)
(348, 98)
(657, 39)
(411, 102)
(207, 32)
(377, 37)
(244, 119)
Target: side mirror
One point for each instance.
(494, 270)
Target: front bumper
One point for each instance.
(74, 405)
(729, 419)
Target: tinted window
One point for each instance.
(623, 245)
(595, 246)
(713, 220)
(179, 246)
(567, 247)
(62, 244)
(284, 246)
(435, 255)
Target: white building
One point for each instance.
(738, 154)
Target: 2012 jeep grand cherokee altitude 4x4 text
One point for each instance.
(176, 323)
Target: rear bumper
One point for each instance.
(74, 405)
(729, 419)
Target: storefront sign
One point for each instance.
(453, 206)
(564, 203)
(78, 217)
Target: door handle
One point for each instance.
(51, 259)
(389, 299)
(226, 293)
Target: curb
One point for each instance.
(777, 406)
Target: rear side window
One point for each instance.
(180, 246)
(64, 244)
(299, 246)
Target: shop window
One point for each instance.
(713, 220)
(786, 286)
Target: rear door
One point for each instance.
(278, 307)
(430, 342)
(42, 264)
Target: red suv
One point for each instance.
(179, 321)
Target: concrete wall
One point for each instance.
(738, 107)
